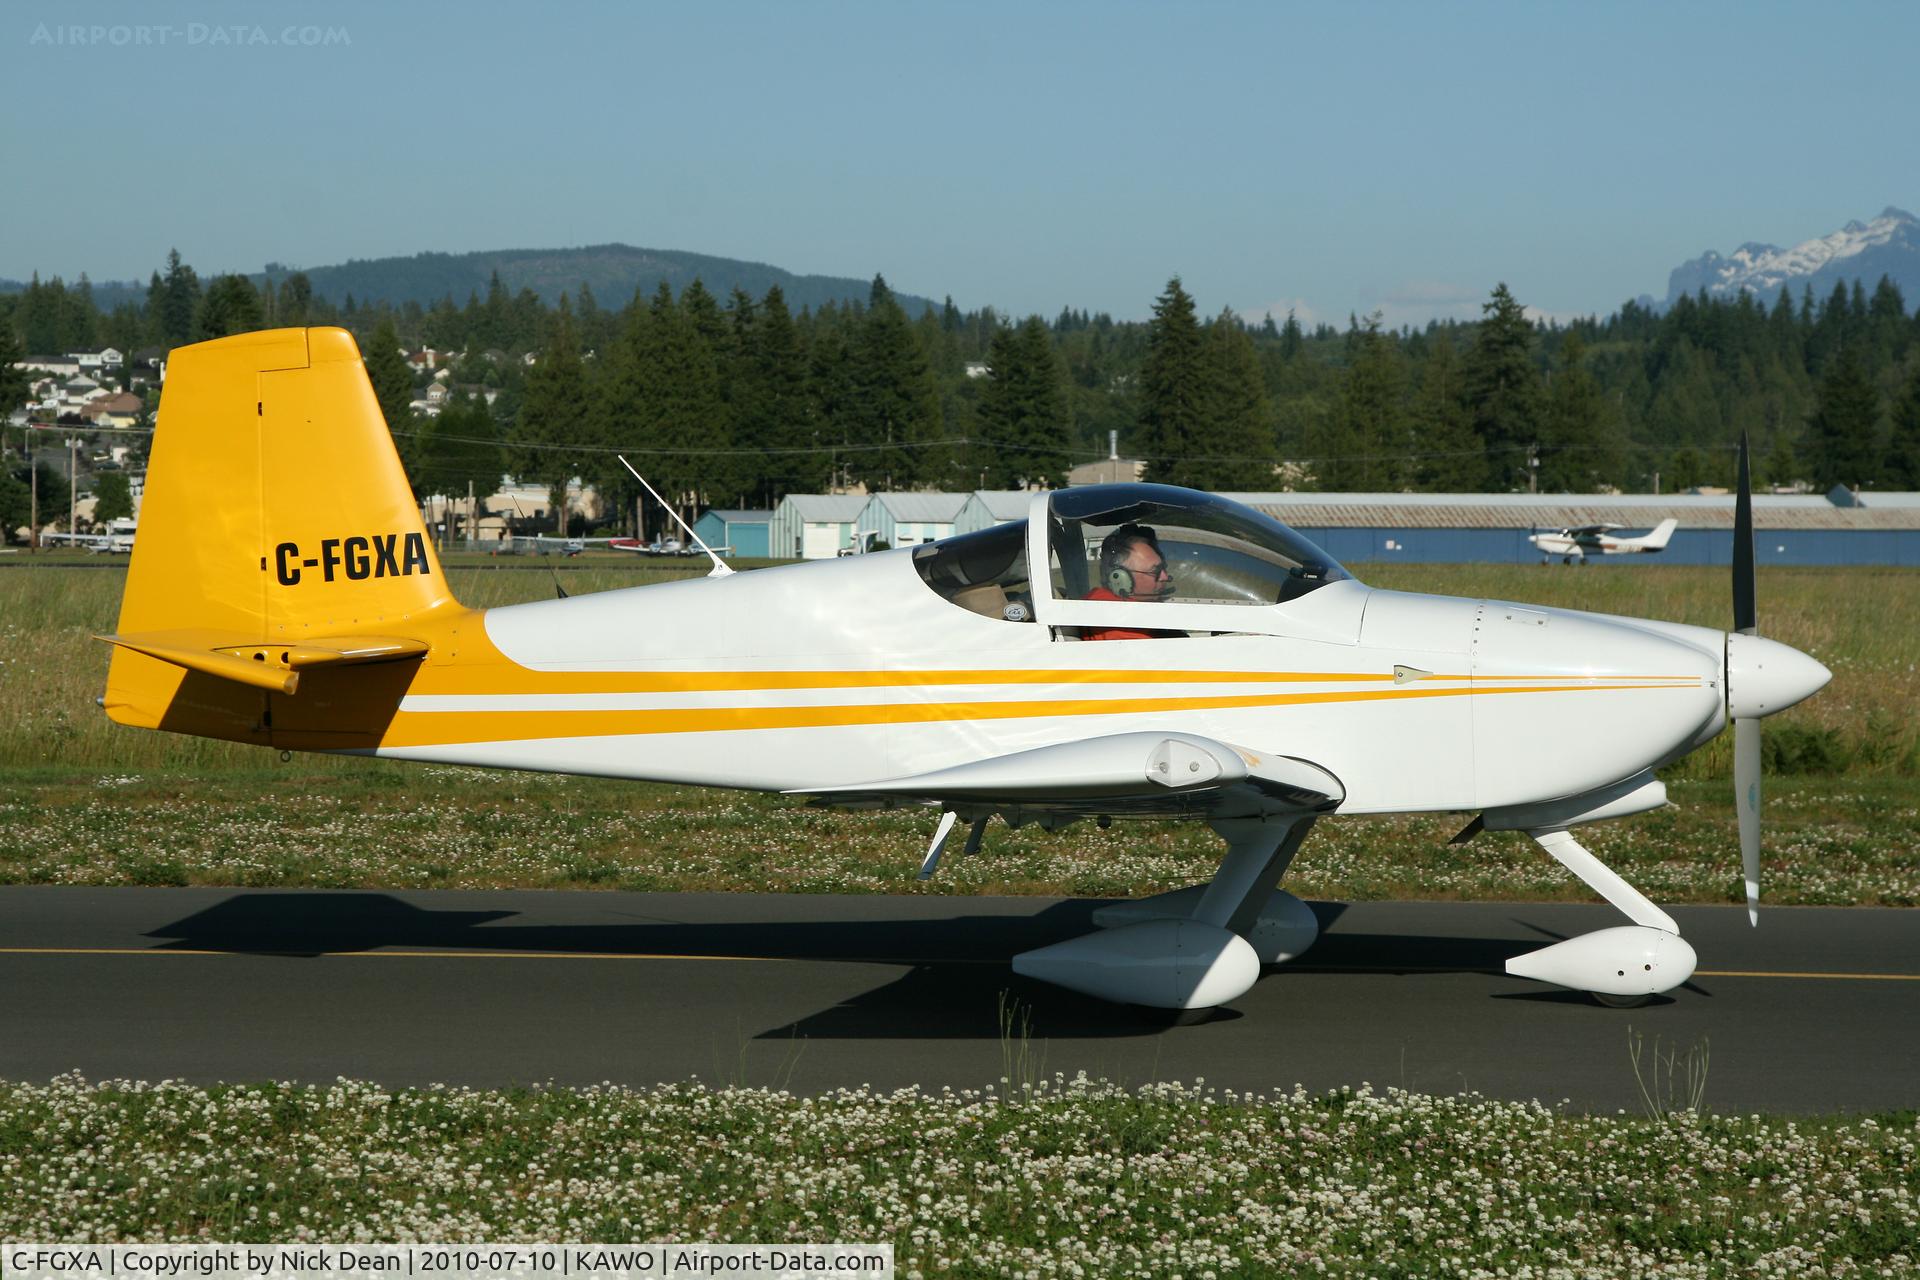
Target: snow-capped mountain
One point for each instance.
(1887, 246)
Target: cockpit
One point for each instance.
(1122, 547)
(985, 571)
(1216, 551)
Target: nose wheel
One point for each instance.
(1622, 967)
(1607, 1001)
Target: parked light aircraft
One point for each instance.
(115, 542)
(1598, 540)
(542, 545)
(1271, 687)
(661, 546)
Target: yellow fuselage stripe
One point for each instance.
(440, 728)
(504, 678)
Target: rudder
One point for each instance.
(276, 514)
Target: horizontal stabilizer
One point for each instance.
(274, 667)
(1145, 772)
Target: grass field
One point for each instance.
(85, 801)
(1047, 1178)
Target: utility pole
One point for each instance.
(33, 531)
(73, 486)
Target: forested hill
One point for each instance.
(740, 399)
(614, 272)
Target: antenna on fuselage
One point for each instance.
(720, 568)
(559, 591)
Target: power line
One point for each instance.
(1003, 447)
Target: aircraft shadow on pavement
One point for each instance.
(957, 982)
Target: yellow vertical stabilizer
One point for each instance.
(277, 525)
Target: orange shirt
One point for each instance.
(1114, 633)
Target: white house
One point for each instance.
(110, 358)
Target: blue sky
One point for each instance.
(1330, 157)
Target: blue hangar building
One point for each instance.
(1457, 528)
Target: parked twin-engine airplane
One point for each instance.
(1584, 540)
(1125, 651)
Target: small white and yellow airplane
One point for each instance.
(1585, 540)
(1126, 651)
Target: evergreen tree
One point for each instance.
(550, 418)
(79, 320)
(1841, 443)
(1291, 339)
(178, 301)
(681, 403)
(1172, 385)
(39, 315)
(15, 384)
(393, 388)
(830, 389)
(1452, 457)
(1780, 467)
(613, 411)
(112, 497)
(1579, 450)
(463, 446)
(230, 305)
(896, 406)
(1686, 469)
(1901, 468)
(1023, 410)
(1376, 426)
(16, 503)
(496, 318)
(1503, 389)
(597, 327)
(778, 416)
(1237, 440)
(293, 299)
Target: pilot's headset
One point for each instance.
(1116, 576)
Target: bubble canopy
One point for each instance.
(1216, 551)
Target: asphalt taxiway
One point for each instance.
(1816, 1010)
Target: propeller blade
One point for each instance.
(1746, 799)
(1743, 611)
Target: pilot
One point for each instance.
(1131, 568)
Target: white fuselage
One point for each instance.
(841, 672)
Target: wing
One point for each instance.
(1142, 774)
(1592, 530)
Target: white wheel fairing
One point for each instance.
(1163, 964)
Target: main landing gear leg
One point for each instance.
(1199, 946)
(1623, 966)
